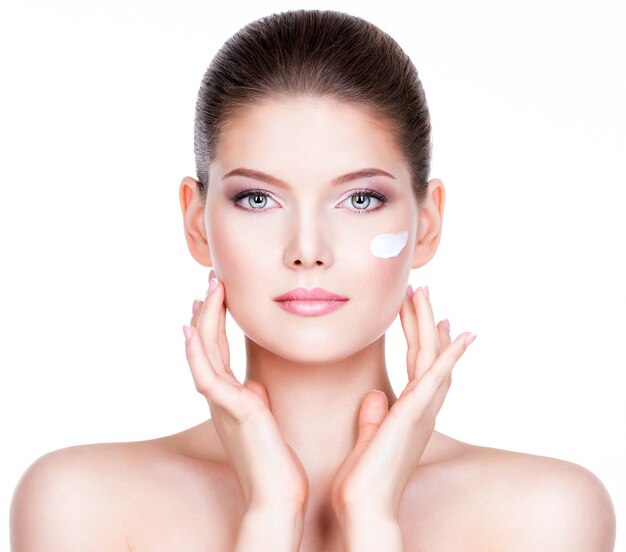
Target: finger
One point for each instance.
(206, 380)
(428, 350)
(439, 372)
(444, 334)
(222, 339)
(223, 345)
(371, 414)
(440, 396)
(444, 339)
(195, 312)
(208, 327)
(443, 329)
(408, 318)
(442, 392)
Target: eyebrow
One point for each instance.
(264, 177)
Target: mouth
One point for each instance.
(315, 294)
(310, 302)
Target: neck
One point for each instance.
(316, 406)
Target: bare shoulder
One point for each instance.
(64, 501)
(112, 496)
(532, 502)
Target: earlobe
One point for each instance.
(192, 208)
(430, 223)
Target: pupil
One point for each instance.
(360, 203)
(259, 199)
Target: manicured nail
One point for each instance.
(196, 307)
(409, 291)
(426, 292)
(212, 285)
(446, 325)
(187, 332)
(469, 339)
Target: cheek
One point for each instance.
(389, 254)
(386, 246)
(234, 248)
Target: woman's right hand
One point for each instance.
(269, 472)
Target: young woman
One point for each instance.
(312, 204)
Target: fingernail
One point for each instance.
(426, 292)
(211, 274)
(212, 285)
(409, 291)
(187, 333)
(446, 325)
(196, 307)
(469, 339)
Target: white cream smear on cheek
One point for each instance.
(389, 245)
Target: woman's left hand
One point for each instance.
(373, 476)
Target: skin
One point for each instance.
(325, 390)
(308, 241)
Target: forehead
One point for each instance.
(311, 132)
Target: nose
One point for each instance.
(308, 244)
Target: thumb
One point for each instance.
(371, 414)
(258, 389)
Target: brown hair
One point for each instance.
(320, 53)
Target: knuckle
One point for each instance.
(350, 493)
(202, 387)
(255, 406)
(248, 407)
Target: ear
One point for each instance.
(192, 207)
(429, 223)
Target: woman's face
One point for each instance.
(304, 228)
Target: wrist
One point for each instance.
(276, 509)
(368, 530)
(360, 512)
(276, 512)
(276, 528)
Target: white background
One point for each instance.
(96, 132)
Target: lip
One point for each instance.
(310, 302)
(315, 294)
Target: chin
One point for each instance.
(314, 346)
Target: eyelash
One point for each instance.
(238, 196)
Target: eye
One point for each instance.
(361, 200)
(255, 200)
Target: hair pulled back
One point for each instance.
(318, 53)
